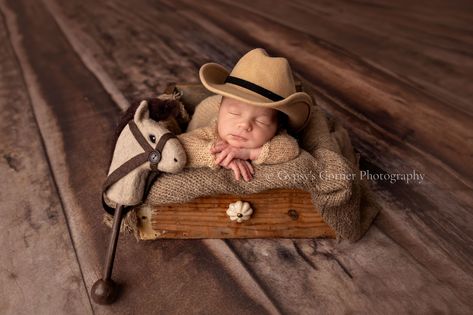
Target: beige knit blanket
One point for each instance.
(327, 168)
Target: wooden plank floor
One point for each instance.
(397, 74)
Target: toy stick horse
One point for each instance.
(144, 148)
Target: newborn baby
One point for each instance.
(240, 134)
(245, 123)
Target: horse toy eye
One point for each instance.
(152, 138)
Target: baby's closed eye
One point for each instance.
(263, 122)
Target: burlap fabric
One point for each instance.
(327, 167)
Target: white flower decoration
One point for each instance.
(239, 211)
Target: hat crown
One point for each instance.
(271, 73)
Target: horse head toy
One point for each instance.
(144, 148)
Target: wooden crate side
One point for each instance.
(279, 213)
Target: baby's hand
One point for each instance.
(226, 153)
(241, 168)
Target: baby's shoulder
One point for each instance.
(283, 136)
(282, 133)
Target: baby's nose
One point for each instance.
(244, 125)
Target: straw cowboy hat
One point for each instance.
(260, 80)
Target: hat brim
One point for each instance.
(297, 106)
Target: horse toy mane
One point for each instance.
(165, 109)
(144, 147)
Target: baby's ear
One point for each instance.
(142, 112)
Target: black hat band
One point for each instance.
(254, 87)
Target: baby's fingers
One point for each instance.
(228, 159)
(218, 147)
(236, 170)
(244, 170)
(221, 156)
(220, 141)
(250, 167)
(215, 149)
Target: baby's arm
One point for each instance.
(226, 153)
(235, 159)
(241, 168)
(197, 144)
(281, 148)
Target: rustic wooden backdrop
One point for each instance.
(397, 73)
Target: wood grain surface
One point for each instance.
(395, 74)
(37, 250)
(277, 213)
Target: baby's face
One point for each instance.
(245, 126)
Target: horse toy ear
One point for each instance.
(142, 112)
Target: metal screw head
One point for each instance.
(293, 214)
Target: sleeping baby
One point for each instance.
(246, 121)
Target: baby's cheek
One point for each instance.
(258, 140)
(221, 131)
(269, 131)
